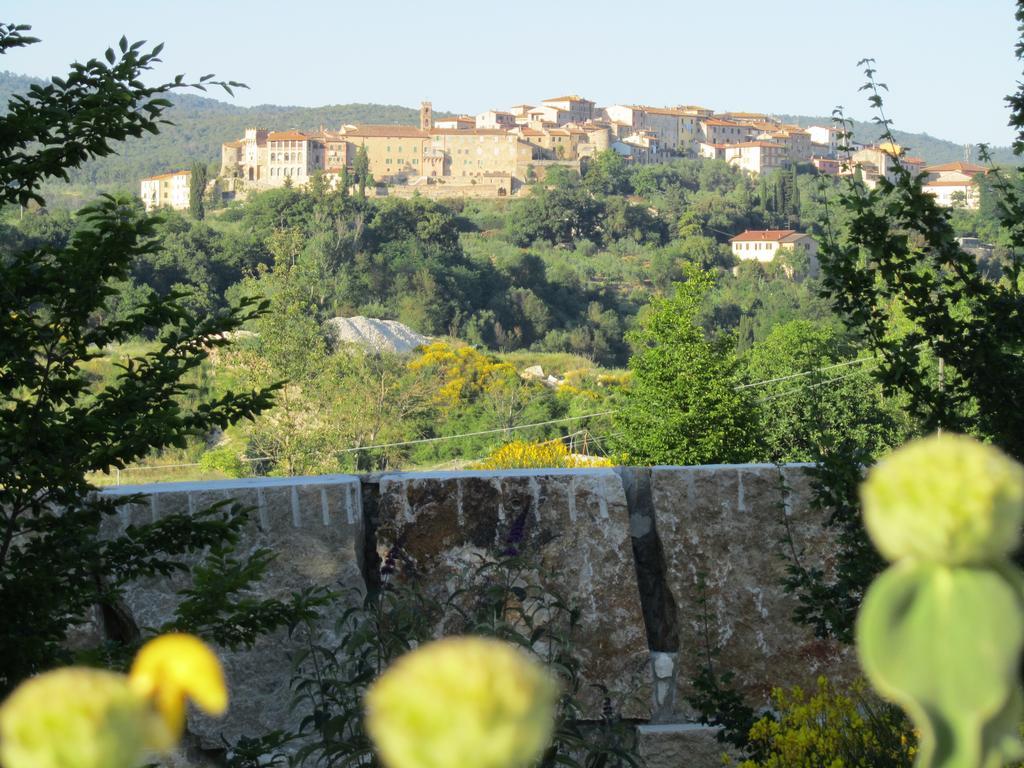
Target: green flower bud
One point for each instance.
(945, 499)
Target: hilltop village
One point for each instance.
(498, 152)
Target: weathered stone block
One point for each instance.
(314, 527)
(574, 524)
(726, 533)
(682, 745)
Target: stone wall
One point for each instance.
(662, 562)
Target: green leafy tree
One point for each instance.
(904, 286)
(607, 174)
(55, 428)
(816, 398)
(910, 293)
(197, 191)
(683, 406)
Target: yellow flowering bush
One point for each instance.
(520, 454)
(465, 372)
(78, 717)
(830, 729)
(462, 702)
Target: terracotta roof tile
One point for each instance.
(763, 235)
(385, 131)
(167, 175)
(566, 98)
(287, 136)
(959, 165)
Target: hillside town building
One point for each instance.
(765, 244)
(167, 190)
(954, 184)
(496, 152)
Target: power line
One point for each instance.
(806, 386)
(418, 441)
(425, 440)
(858, 361)
(472, 434)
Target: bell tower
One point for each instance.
(426, 116)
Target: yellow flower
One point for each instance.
(171, 668)
(465, 702)
(947, 499)
(90, 718)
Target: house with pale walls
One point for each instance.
(167, 190)
(460, 123)
(763, 245)
(294, 156)
(954, 185)
(547, 115)
(495, 118)
(711, 151)
(880, 161)
(756, 157)
(521, 113)
(642, 148)
(677, 128)
(825, 140)
(578, 109)
(873, 163)
(714, 130)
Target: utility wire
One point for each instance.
(424, 440)
(858, 361)
(472, 434)
(806, 386)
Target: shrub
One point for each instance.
(831, 729)
(520, 454)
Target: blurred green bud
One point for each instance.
(945, 499)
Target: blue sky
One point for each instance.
(948, 63)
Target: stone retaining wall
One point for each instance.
(661, 561)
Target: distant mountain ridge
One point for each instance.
(202, 124)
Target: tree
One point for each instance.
(197, 191)
(683, 406)
(914, 298)
(903, 285)
(608, 174)
(820, 399)
(54, 427)
(361, 168)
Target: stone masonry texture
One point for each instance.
(662, 563)
(575, 527)
(314, 527)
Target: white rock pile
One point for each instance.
(373, 335)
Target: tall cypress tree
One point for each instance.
(362, 168)
(196, 191)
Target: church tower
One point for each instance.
(426, 116)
